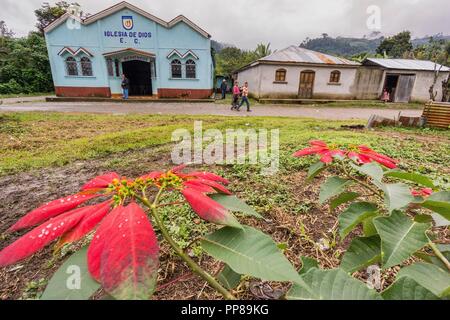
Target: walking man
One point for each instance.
(223, 88)
(236, 94)
(245, 97)
(125, 86)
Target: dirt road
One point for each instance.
(317, 112)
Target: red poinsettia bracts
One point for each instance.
(51, 209)
(101, 182)
(326, 153)
(364, 154)
(425, 192)
(40, 236)
(194, 186)
(123, 255)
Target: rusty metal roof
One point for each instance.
(294, 54)
(407, 64)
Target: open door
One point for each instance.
(139, 74)
(404, 88)
(306, 87)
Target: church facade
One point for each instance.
(88, 56)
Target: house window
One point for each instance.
(190, 69)
(110, 66)
(335, 76)
(176, 69)
(117, 66)
(280, 75)
(71, 66)
(86, 67)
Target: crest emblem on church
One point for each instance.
(127, 22)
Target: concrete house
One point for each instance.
(405, 79)
(296, 72)
(165, 59)
(299, 73)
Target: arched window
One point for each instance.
(280, 75)
(335, 76)
(190, 69)
(71, 66)
(176, 68)
(86, 67)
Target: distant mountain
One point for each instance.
(342, 46)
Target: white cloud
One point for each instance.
(281, 22)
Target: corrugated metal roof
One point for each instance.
(295, 54)
(407, 64)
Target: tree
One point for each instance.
(5, 35)
(230, 59)
(47, 13)
(262, 50)
(396, 46)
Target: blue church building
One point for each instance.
(163, 59)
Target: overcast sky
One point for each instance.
(245, 23)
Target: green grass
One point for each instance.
(36, 140)
(21, 95)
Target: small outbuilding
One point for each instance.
(406, 80)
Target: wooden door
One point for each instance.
(404, 88)
(306, 87)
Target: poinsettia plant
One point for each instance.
(396, 220)
(122, 256)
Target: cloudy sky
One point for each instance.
(245, 23)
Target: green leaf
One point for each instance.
(229, 278)
(332, 187)
(356, 213)
(250, 252)
(372, 170)
(400, 237)
(428, 276)
(308, 264)
(406, 288)
(433, 259)
(333, 284)
(397, 195)
(439, 221)
(413, 177)
(64, 284)
(369, 229)
(362, 252)
(315, 169)
(439, 202)
(343, 198)
(233, 203)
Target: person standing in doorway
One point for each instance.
(223, 88)
(245, 98)
(236, 94)
(125, 86)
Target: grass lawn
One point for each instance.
(48, 155)
(20, 95)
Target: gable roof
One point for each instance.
(125, 5)
(126, 50)
(294, 54)
(406, 64)
(175, 52)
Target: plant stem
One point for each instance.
(439, 254)
(365, 185)
(191, 263)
